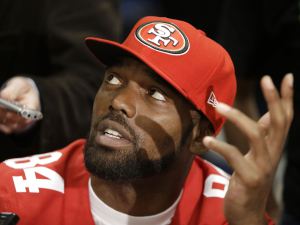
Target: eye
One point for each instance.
(156, 94)
(112, 79)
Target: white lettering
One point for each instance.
(162, 33)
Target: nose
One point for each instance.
(125, 101)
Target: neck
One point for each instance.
(145, 196)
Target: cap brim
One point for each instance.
(109, 51)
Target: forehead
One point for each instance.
(129, 65)
(134, 68)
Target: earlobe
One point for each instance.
(200, 130)
(197, 146)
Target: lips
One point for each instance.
(113, 135)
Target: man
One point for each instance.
(166, 88)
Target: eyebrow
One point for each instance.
(156, 77)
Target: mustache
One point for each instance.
(118, 118)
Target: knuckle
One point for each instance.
(258, 179)
(262, 130)
(254, 181)
(281, 120)
(256, 133)
(5, 93)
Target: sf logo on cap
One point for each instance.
(164, 37)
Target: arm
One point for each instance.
(251, 182)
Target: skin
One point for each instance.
(21, 90)
(130, 91)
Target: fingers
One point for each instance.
(15, 88)
(287, 93)
(10, 123)
(275, 107)
(267, 136)
(280, 110)
(250, 128)
(22, 90)
(246, 171)
(231, 154)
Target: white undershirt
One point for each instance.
(105, 215)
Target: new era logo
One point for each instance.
(212, 100)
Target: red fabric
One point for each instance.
(52, 207)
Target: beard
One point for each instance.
(122, 166)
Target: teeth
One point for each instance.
(112, 133)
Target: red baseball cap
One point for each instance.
(198, 67)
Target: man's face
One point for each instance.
(140, 125)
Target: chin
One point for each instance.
(123, 166)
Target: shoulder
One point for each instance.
(204, 192)
(212, 179)
(40, 177)
(208, 167)
(55, 159)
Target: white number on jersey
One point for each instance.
(54, 182)
(32, 161)
(210, 186)
(29, 165)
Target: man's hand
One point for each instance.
(251, 182)
(23, 91)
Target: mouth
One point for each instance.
(113, 135)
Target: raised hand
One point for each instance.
(251, 182)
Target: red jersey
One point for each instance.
(52, 189)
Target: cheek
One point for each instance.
(173, 128)
(159, 135)
(101, 104)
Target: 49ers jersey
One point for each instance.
(52, 189)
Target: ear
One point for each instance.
(200, 130)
